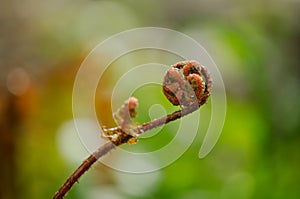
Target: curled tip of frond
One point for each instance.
(192, 85)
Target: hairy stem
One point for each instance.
(101, 151)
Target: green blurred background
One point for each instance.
(255, 45)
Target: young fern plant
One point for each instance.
(186, 84)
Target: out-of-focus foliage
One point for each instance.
(255, 45)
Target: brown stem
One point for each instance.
(85, 165)
(166, 119)
(198, 77)
(101, 151)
